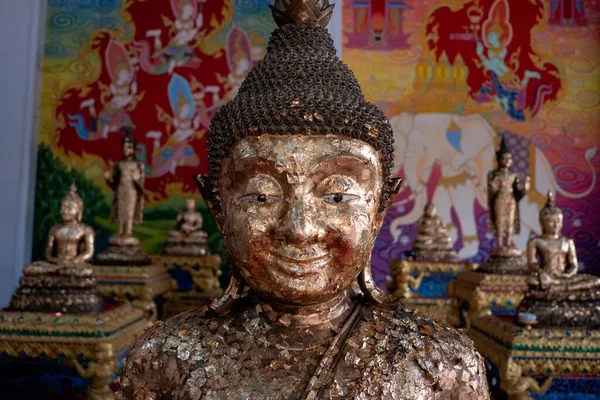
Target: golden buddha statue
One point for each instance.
(188, 239)
(127, 182)
(558, 295)
(63, 283)
(432, 242)
(299, 183)
(504, 193)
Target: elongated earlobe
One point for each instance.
(227, 302)
(375, 296)
(207, 191)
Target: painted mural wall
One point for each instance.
(455, 76)
(157, 68)
(452, 76)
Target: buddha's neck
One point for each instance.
(551, 235)
(307, 315)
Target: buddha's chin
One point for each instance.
(303, 289)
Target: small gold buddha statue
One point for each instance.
(432, 242)
(299, 183)
(188, 239)
(558, 295)
(127, 182)
(504, 193)
(64, 283)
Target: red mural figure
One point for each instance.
(179, 51)
(167, 112)
(118, 98)
(503, 67)
(377, 25)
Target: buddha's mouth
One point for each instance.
(300, 266)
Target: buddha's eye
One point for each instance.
(260, 198)
(339, 197)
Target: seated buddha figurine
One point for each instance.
(299, 183)
(432, 242)
(63, 283)
(558, 295)
(188, 239)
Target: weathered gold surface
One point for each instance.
(300, 180)
(432, 242)
(262, 353)
(188, 239)
(504, 193)
(558, 295)
(98, 339)
(434, 308)
(64, 282)
(477, 291)
(521, 354)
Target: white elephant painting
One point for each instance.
(464, 149)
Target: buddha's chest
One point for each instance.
(554, 248)
(68, 235)
(272, 365)
(129, 170)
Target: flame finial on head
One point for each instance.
(302, 12)
(73, 197)
(550, 208)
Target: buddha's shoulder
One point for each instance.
(436, 352)
(163, 356)
(185, 327)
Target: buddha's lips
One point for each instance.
(299, 268)
(299, 260)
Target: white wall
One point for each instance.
(22, 28)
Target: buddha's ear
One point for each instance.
(395, 184)
(206, 188)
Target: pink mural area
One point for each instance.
(468, 73)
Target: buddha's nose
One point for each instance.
(299, 224)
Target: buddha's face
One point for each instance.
(301, 213)
(505, 160)
(551, 223)
(69, 211)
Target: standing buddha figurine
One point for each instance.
(64, 283)
(188, 239)
(559, 296)
(504, 193)
(432, 242)
(127, 182)
(299, 183)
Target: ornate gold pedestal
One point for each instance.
(140, 283)
(564, 362)
(424, 284)
(197, 280)
(474, 292)
(97, 340)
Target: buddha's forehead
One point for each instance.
(300, 154)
